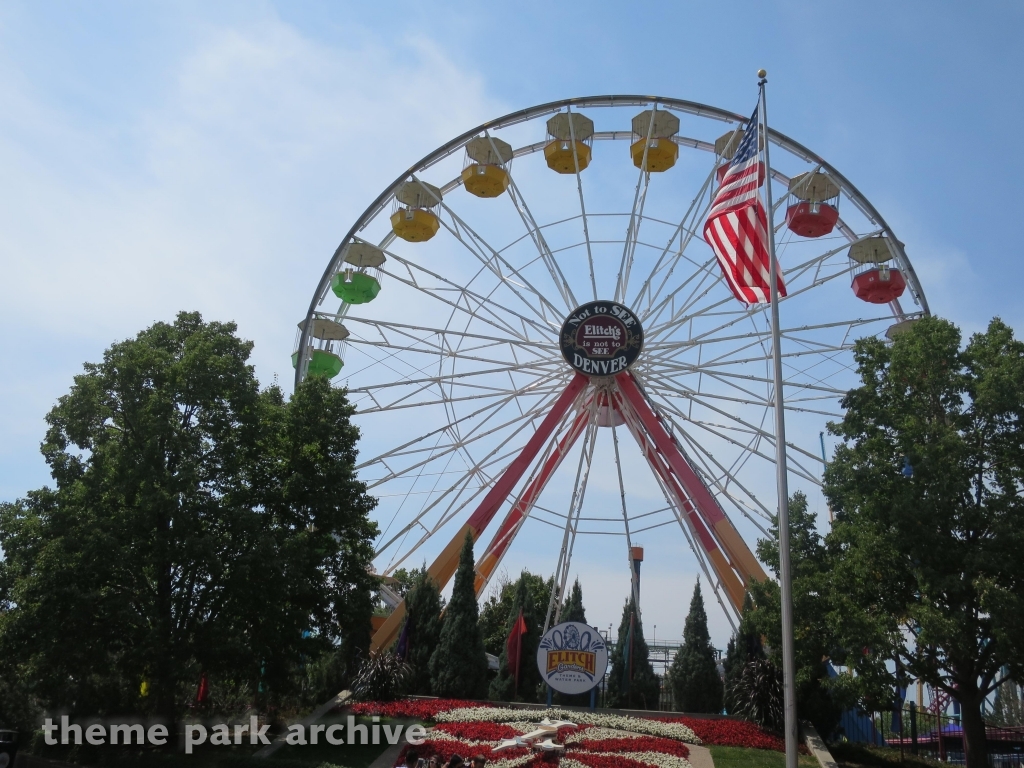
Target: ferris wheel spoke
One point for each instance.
(729, 379)
(480, 249)
(643, 183)
(496, 312)
(721, 478)
(676, 367)
(685, 234)
(690, 394)
(739, 424)
(537, 235)
(441, 353)
(482, 415)
(740, 315)
(625, 517)
(583, 206)
(534, 345)
(538, 368)
(450, 399)
(672, 348)
(494, 458)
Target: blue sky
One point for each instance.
(161, 156)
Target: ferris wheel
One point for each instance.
(537, 291)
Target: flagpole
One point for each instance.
(781, 470)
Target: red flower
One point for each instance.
(417, 709)
(726, 732)
(607, 761)
(478, 731)
(641, 744)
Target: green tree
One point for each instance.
(632, 683)
(423, 606)
(926, 488)
(503, 687)
(572, 609)
(812, 638)
(696, 686)
(458, 666)
(744, 647)
(496, 608)
(1008, 708)
(198, 525)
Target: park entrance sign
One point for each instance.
(601, 338)
(572, 657)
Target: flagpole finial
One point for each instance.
(762, 73)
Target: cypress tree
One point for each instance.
(632, 683)
(458, 666)
(423, 628)
(573, 609)
(744, 647)
(696, 686)
(503, 687)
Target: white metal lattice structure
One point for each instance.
(455, 365)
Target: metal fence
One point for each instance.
(918, 732)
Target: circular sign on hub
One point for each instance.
(601, 338)
(572, 657)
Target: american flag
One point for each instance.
(737, 228)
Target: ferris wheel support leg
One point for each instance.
(706, 504)
(443, 567)
(724, 569)
(506, 533)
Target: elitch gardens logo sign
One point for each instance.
(572, 657)
(601, 338)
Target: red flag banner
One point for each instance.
(737, 227)
(514, 646)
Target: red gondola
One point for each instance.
(817, 211)
(875, 282)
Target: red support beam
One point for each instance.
(502, 540)
(443, 567)
(735, 548)
(727, 575)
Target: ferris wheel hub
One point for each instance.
(601, 338)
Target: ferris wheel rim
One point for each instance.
(682, 105)
(475, 422)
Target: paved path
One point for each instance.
(388, 757)
(700, 757)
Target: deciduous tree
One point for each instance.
(198, 525)
(927, 491)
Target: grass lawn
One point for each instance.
(741, 757)
(850, 755)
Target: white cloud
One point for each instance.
(227, 193)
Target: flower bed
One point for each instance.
(418, 709)
(631, 744)
(663, 728)
(602, 740)
(479, 731)
(732, 733)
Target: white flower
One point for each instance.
(676, 731)
(659, 759)
(599, 734)
(512, 762)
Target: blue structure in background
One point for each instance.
(856, 725)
